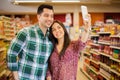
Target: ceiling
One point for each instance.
(30, 6)
(66, 1)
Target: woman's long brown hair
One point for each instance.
(55, 41)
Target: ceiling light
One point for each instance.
(65, 0)
(28, 1)
(38, 1)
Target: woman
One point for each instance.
(64, 58)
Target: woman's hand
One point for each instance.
(87, 23)
(87, 26)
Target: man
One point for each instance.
(29, 50)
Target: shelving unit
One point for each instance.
(5, 74)
(104, 54)
(8, 29)
(6, 35)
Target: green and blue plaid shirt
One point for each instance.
(33, 50)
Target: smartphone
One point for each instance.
(84, 12)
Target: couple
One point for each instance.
(37, 52)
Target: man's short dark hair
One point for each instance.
(41, 7)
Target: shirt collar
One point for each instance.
(40, 31)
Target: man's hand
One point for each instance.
(48, 78)
(15, 74)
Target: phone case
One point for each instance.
(84, 12)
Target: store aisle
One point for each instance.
(80, 75)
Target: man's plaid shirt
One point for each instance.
(33, 50)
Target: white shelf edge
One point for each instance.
(115, 47)
(87, 75)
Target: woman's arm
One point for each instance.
(87, 26)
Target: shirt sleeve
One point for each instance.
(78, 45)
(81, 45)
(15, 48)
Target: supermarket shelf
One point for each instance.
(117, 60)
(86, 58)
(94, 35)
(2, 49)
(3, 72)
(87, 46)
(115, 47)
(112, 70)
(103, 33)
(7, 39)
(104, 65)
(90, 67)
(94, 71)
(104, 76)
(1, 37)
(8, 30)
(104, 54)
(96, 62)
(87, 74)
(104, 70)
(85, 52)
(10, 34)
(94, 44)
(116, 36)
(2, 63)
(94, 52)
(108, 66)
(115, 72)
(90, 58)
(105, 43)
